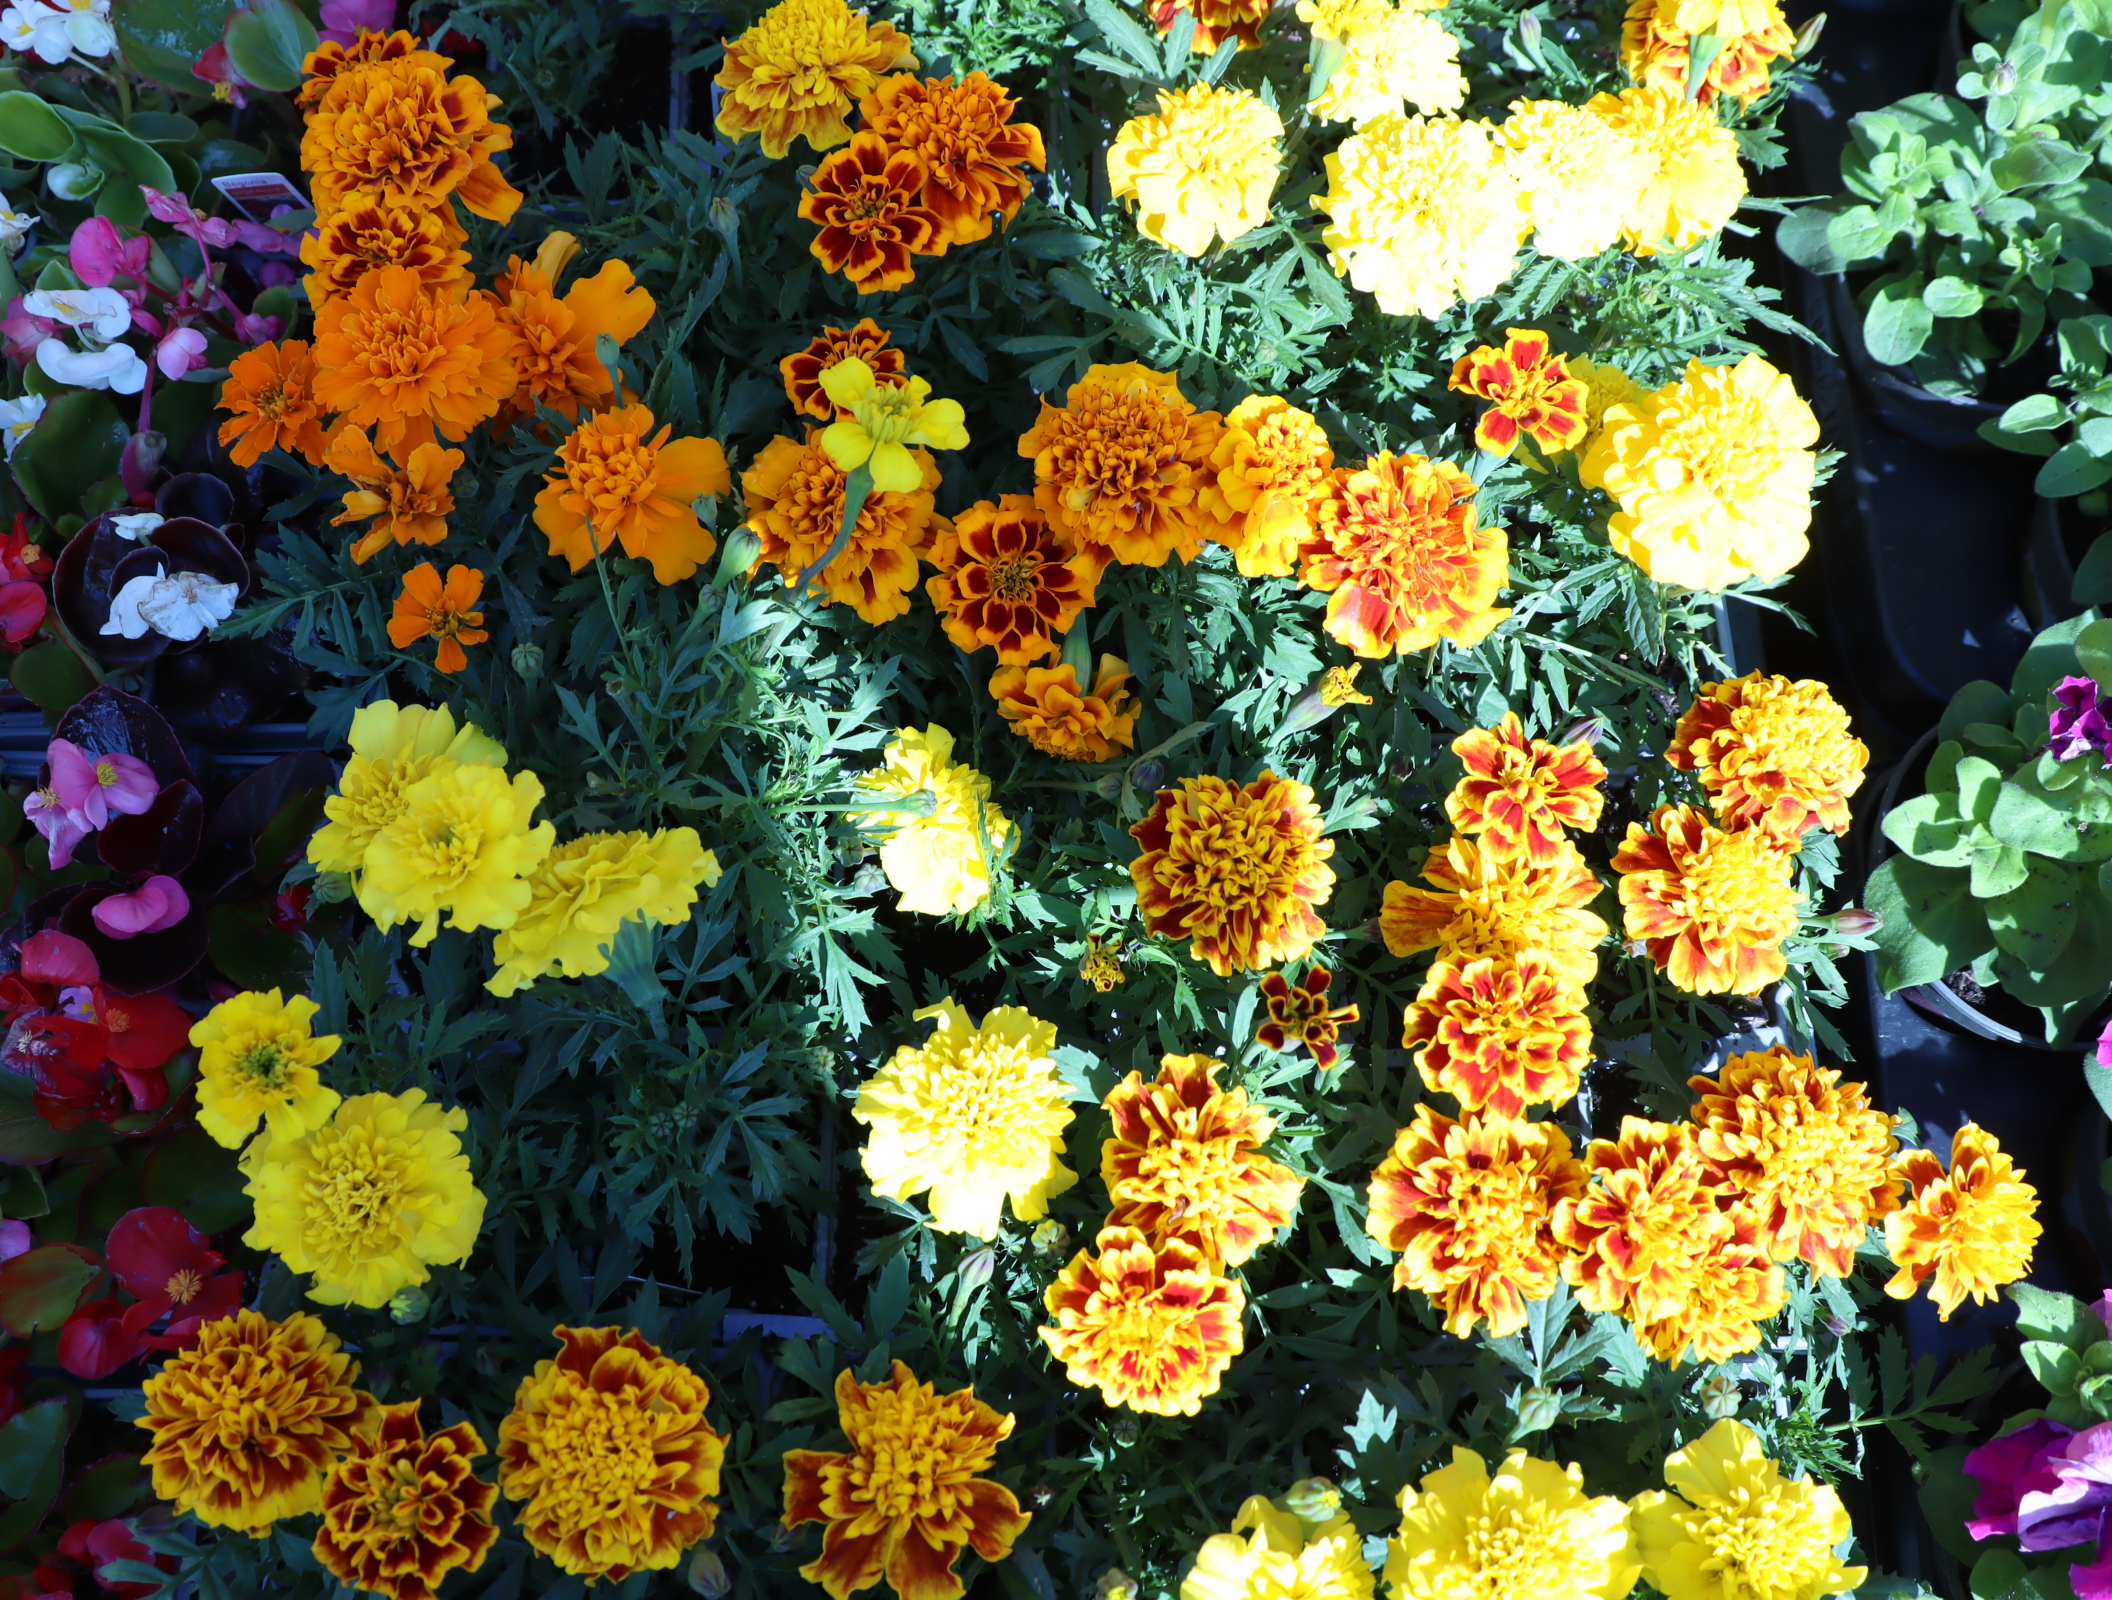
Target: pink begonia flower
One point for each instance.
(156, 904)
(14, 1240)
(22, 608)
(343, 19)
(182, 351)
(253, 329)
(62, 826)
(58, 958)
(98, 253)
(99, 786)
(23, 331)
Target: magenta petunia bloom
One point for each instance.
(2078, 723)
(2008, 1468)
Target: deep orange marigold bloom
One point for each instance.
(1152, 1326)
(866, 342)
(1531, 392)
(1711, 907)
(1963, 1232)
(1731, 1289)
(1772, 753)
(799, 69)
(1654, 53)
(908, 1496)
(1520, 794)
(795, 505)
(1121, 464)
(404, 1509)
(1470, 1207)
(271, 401)
(1011, 580)
(1045, 706)
(620, 482)
(403, 132)
(556, 340)
(971, 148)
(329, 60)
(365, 234)
(1396, 546)
(1300, 1011)
(408, 504)
(408, 360)
(1485, 907)
(1235, 871)
(1503, 1032)
(1186, 1161)
(1805, 1153)
(867, 201)
(1215, 21)
(427, 609)
(1271, 464)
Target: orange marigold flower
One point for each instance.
(1470, 1207)
(403, 132)
(1121, 464)
(866, 342)
(408, 504)
(798, 70)
(1009, 579)
(1532, 391)
(1396, 546)
(1805, 1153)
(1731, 1289)
(329, 60)
(1186, 1161)
(365, 234)
(1654, 53)
(404, 1508)
(408, 360)
(429, 610)
(1152, 1326)
(867, 201)
(1485, 907)
(909, 1494)
(1300, 1011)
(795, 505)
(272, 405)
(1502, 1032)
(971, 149)
(1519, 794)
(557, 340)
(1772, 753)
(1215, 21)
(1711, 907)
(1965, 1232)
(1271, 463)
(621, 482)
(1045, 706)
(1235, 871)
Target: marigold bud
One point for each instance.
(1148, 773)
(1720, 1397)
(329, 889)
(1538, 1410)
(707, 1573)
(1126, 1431)
(1115, 1584)
(1856, 923)
(1050, 1238)
(528, 662)
(410, 1306)
(1312, 1500)
(1808, 37)
(1585, 730)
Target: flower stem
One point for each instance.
(856, 489)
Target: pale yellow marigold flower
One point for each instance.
(1727, 19)
(941, 861)
(1529, 1530)
(975, 1115)
(464, 845)
(1282, 1554)
(877, 423)
(1582, 178)
(1605, 386)
(1695, 184)
(1382, 57)
(1202, 169)
(587, 888)
(393, 747)
(257, 1056)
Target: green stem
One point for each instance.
(857, 488)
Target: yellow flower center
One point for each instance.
(403, 1499)
(357, 1197)
(183, 1285)
(1015, 578)
(888, 412)
(911, 1462)
(981, 1097)
(1765, 1542)
(264, 1064)
(606, 1444)
(804, 50)
(1517, 1549)
(1724, 440)
(1736, 880)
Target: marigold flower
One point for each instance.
(1695, 185)
(795, 505)
(330, 60)
(407, 504)
(1773, 754)
(609, 1447)
(1806, 1154)
(405, 1508)
(1581, 177)
(586, 889)
(365, 234)
(1713, 475)
(1235, 871)
(1389, 55)
(1736, 1526)
(1965, 1232)
(796, 73)
(619, 482)
(1731, 1289)
(1655, 50)
(408, 360)
(1712, 907)
(1300, 1011)
(402, 132)
(1483, 906)
(1203, 168)
(257, 1055)
(1121, 466)
(1502, 1032)
(1011, 580)
(1046, 707)
(557, 341)
(1215, 21)
(868, 202)
(909, 1494)
(248, 1421)
(461, 844)
(1528, 1530)
(1397, 549)
(1271, 464)
(1186, 1161)
(1605, 386)
(1532, 391)
(803, 369)
(1101, 965)
(427, 609)
(878, 425)
(393, 747)
(271, 403)
(941, 861)
(1152, 1326)
(1470, 1207)
(1285, 1555)
(971, 148)
(1519, 794)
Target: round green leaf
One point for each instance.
(267, 43)
(163, 39)
(1897, 325)
(2071, 470)
(51, 676)
(78, 442)
(29, 128)
(195, 1176)
(40, 1289)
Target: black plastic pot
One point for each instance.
(1938, 421)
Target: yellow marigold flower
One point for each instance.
(1695, 183)
(1772, 754)
(1234, 871)
(1300, 1013)
(1605, 386)
(1215, 21)
(1734, 1286)
(1271, 465)
(1202, 169)
(878, 422)
(1806, 1154)
(1713, 475)
(1734, 1526)
(1101, 965)
(1711, 907)
(1485, 907)
(586, 889)
(1283, 1556)
(405, 1508)
(1655, 50)
(393, 747)
(403, 132)
(609, 1447)
(1503, 1032)
(974, 1114)
(796, 73)
(1422, 213)
(557, 341)
(1388, 55)
(462, 845)
(1965, 1232)
(365, 234)
(1010, 578)
(1186, 1161)
(371, 1201)
(248, 1421)
(257, 1055)
(909, 1495)
(1398, 551)
(1582, 178)
(940, 862)
(1528, 1530)
(1152, 1326)
(1470, 1207)
(1727, 19)
(1520, 794)
(619, 483)
(1046, 707)
(795, 506)
(971, 149)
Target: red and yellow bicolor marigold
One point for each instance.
(1731, 1289)
(1655, 52)
(1300, 1013)
(557, 341)
(404, 1508)
(795, 505)
(411, 361)
(1151, 1324)
(798, 70)
(1271, 465)
(619, 483)
(1010, 580)
(1530, 391)
(407, 504)
(1215, 21)
(366, 234)
(403, 132)
(868, 202)
(1504, 1032)
(1519, 795)
(1965, 1232)
(1481, 906)
(1711, 907)
(329, 60)
(972, 150)
(1773, 753)
(865, 341)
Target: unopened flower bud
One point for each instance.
(974, 1270)
(2003, 80)
(1108, 786)
(738, 554)
(1126, 1431)
(1808, 37)
(142, 458)
(1720, 1397)
(1538, 1410)
(1115, 1584)
(1148, 773)
(1312, 1500)
(707, 1573)
(1529, 33)
(2096, 1393)
(725, 218)
(329, 889)
(528, 662)
(1050, 1238)
(1040, 1496)
(1586, 730)
(409, 1306)
(783, 1538)
(1856, 923)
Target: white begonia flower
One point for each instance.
(15, 224)
(117, 368)
(17, 417)
(34, 30)
(136, 524)
(103, 312)
(90, 34)
(180, 607)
